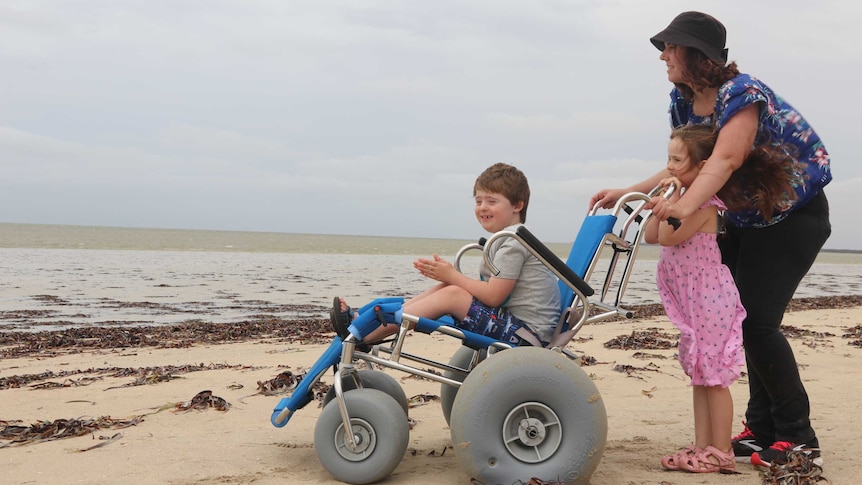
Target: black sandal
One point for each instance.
(340, 319)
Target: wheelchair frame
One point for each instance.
(538, 442)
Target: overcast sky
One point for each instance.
(375, 117)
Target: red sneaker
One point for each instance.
(745, 445)
(778, 453)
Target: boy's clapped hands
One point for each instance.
(437, 268)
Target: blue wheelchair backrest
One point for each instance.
(586, 245)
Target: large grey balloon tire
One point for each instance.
(543, 378)
(460, 359)
(372, 379)
(379, 419)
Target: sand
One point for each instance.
(649, 412)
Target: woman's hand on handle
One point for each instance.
(606, 198)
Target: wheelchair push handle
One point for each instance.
(668, 190)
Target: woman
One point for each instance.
(767, 253)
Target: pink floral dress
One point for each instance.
(701, 299)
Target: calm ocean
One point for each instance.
(44, 236)
(57, 276)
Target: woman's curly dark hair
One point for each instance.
(702, 72)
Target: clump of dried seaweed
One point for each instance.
(41, 431)
(421, 378)
(652, 338)
(280, 384)
(632, 371)
(795, 332)
(422, 399)
(320, 389)
(799, 470)
(285, 382)
(854, 333)
(201, 401)
(647, 356)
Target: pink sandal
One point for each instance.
(675, 460)
(700, 462)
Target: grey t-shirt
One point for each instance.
(535, 299)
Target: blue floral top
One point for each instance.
(779, 124)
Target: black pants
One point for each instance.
(768, 264)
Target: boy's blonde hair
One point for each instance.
(502, 178)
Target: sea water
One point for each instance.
(80, 275)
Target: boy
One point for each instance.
(520, 304)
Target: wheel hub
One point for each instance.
(532, 432)
(364, 441)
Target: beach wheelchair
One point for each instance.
(515, 412)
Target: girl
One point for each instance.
(700, 298)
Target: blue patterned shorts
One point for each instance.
(496, 323)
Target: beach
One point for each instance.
(122, 342)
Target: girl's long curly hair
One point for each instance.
(765, 181)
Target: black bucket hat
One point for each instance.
(698, 30)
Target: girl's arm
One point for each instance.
(651, 231)
(703, 220)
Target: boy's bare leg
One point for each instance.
(429, 291)
(443, 300)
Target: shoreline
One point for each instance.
(314, 331)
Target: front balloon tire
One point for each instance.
(381, 434)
